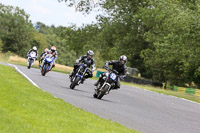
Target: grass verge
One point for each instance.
(165, 91)
(25, 108)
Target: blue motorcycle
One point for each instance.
(79, 75)
(48, 62)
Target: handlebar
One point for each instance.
(111, 70)
(85, 66)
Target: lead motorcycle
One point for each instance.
(106, 84)
(31, 59)
(48, 62)
(79, 75)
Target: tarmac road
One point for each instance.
(145, 111)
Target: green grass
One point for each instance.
(165, 91)
(25, 108)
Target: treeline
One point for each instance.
(160, 37)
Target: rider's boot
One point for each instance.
(42, 64)
(71, 74)
(52, 66)
(98, 81)
(82, 80)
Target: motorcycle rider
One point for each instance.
(54, 54)
(42, 55)
(34, 49)
(119, 66)
(89, 61)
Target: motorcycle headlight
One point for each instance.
(48, 59)
(107, 74)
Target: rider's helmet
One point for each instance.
(35, 48)
(90, 53)
(123, 59)
(53, 49)
(46, 49)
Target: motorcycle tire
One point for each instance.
(29, 65)
(102, 92)
(44, 70)
(95, 95)
(73, 84)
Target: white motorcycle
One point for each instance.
(31, 59)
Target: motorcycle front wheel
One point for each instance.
(75, 82)
(44, 69)
(29, 64)
(102, 92)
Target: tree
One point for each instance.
(175, 43)
(160, 37)
(16, 30)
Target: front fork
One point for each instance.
(29, 60)
(42, 64)
(100, 87)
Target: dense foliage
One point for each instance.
(160, 37)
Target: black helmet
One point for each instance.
(90, 53)
(124, 58)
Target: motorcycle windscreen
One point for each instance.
(49, 60)
(33, 54)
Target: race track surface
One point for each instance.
(145, 111)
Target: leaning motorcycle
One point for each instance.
(79, 75)
(106, 84)
(31, 59)
(48, 62)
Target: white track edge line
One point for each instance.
(25, 75)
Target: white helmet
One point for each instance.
(34, 48)
(123, 57)
(90, 52)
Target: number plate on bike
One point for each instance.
(113, 76)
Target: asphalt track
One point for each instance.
(145, 111)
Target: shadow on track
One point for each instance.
(103, 100)
(80, 90)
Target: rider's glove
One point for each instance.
(85, 65)
(77, 61)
